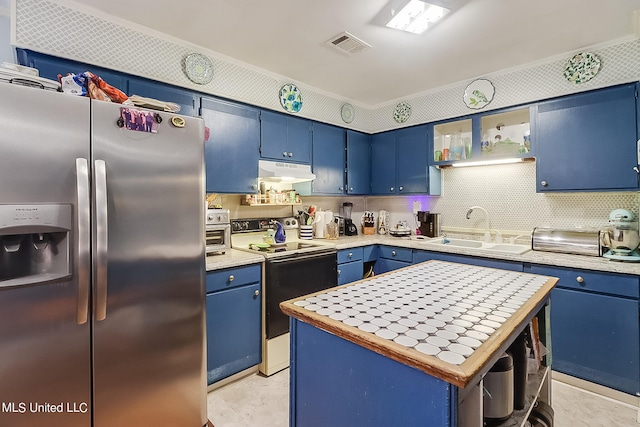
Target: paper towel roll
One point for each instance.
(319, 226)
(328, 217)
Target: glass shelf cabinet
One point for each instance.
(487, 136)
(452, 141)
(505, 134)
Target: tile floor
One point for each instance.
(257, 401)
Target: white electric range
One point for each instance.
(292, 269)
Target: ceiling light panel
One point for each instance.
(416, 16)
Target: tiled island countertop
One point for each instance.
(448, 320)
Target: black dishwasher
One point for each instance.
(292, 276)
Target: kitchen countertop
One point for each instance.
(534, 257)
(234, 258)
(471, 316)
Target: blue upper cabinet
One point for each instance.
(400, 162)
(358, 163)
(284, 137)
(232, 150)
(588, 141)
(164, 92)
(412, 149)
(50, 66)
(328, 159)
(383, 163)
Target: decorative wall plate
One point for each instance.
(348, 113)
(198, 68)
(582, 67)
(402, 112)
(290, 98)
(479, 94)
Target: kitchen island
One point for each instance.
(409, 347)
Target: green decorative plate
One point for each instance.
(347, 112)
(290, 98)
(479, 94)
(582, 67)
(198, 68)
(402, 112)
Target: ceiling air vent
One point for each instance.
(348, 43)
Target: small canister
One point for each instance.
(497, 402)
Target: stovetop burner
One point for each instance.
(248, 234)
(285, 247)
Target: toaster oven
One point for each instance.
(217, 231)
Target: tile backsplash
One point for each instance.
(507, 192)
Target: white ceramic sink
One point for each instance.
(478, 246)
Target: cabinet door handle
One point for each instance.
(284, 154)
(290, 154)
(257, 292)
(231, 278)
(580, 279)
(350, 188)
(391, 189)
(400, 188)
(341, 188)
(350, 254)
(393, 253)
(544, 183)
(339, 271)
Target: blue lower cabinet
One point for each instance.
(337, 383)
(349, 272)
(596, 338)
(421, 256)
(350, 266)
(392, 258)
(370, 253)
(595, 327)
(233, 330)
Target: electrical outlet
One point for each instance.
(417, 206)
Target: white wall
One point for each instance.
(507, 192)
(7, 53)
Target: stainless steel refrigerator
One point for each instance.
(102, 264)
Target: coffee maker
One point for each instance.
(429, 223)
(350, 229)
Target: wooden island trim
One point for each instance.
(461, 375)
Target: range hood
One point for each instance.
(284, 172)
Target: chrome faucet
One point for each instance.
(487, 233)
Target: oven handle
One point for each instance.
(298, 257)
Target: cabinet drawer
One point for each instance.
(398, 254)
(348, 255)
(616, 284)
(233, 277)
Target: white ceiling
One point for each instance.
(287, 37)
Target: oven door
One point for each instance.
(292, 277)
(218, 238)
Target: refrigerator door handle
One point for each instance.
(101, 258)
(84, 240)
